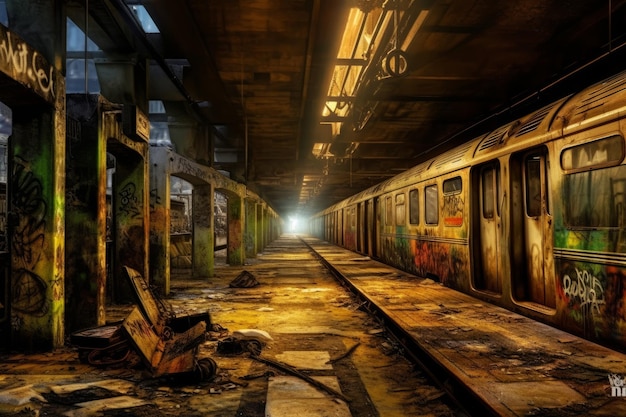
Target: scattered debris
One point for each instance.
(244, 280)
(293, 371)
(234, 346)
(216, 332)
(265, 374)
(345, 355)
(166, 344)
(256, 334)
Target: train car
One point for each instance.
(530, 216)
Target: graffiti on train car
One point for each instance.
(582, 289)
(593, 295)
(453, 210)
(444, 262)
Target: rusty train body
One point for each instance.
(530, 216)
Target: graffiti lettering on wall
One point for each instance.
(453, 210)
(584, 289)
(21, 62)
(27, 241)
(129, 203)
(155, 198)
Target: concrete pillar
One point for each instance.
(85, 217)
(37, 152)
(203, 240)
(37, 172)
(267, 226)
(251, 229)
(130, 205)
(160, 219)
(235, 253)
(260, 225)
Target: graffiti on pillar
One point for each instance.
(155, 198)
(129, 203)
(23, 63)
(28, 293)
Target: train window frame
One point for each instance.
(400, 209)
(414, 206)
(452, 205)
(453, 181)
(490, 208)
(532, 206)
(431, 205)
(567, 157)
(590, 211)
(388, 211)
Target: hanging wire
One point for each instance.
(86, 46)
(610, 25)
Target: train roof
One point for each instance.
(594, 105)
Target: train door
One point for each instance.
(369, 227)
(340, 228)
(532, 222)
(375, 222)
(362, 227)
(359, 227)
(487, 228)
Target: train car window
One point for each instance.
(452, 202)
(533, 186)
(452, 186)
(414, 207)
(388, 212)
(400, 210)
(431, 204)
(488, 193)
(595, 199)
(597, 154)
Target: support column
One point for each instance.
(267, 226)
(85, 223)
(37, 152)
(203, 240)
(260, 226)
(252, 229)
(130, 206)
(36, 156)
(235, 252)
(160, 219)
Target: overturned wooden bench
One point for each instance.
(166, 343)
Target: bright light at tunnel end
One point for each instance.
(295, 224)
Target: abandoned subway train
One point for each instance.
(530, 216)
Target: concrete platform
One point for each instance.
(311, 320)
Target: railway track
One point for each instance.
(458, 394)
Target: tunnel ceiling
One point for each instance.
(439, 72)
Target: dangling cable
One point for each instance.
(86, 46)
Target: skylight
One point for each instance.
(144, 18)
